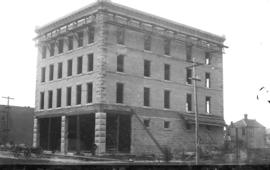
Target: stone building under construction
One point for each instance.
(120, 78)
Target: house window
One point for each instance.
(188, 126)
(207, 58)
(146, 123)
(43, 74)
(166, 124)
(167, 47)
(207, 80)
(119, 93)
(78, 94)
(70, 42)
(166, 71)
(79, 65)
(120, 36)
(147, 68)
(69, 68)
(51, 72)
(120, 63)
(208, 104)
(89, 93)
(41, 105)
(60, 46)
(91, 34)
(189, 76)
(166, 99)
(90, 62)
(80, 39)
(60, 68)
(44, 51)
(189, 53)
(243, 131)
(52, 46)
(146, 101)
(50, 99)
(68, 96)
(189, 102)
(147, 43)
(58, 97)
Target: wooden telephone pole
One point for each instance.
(7, 116)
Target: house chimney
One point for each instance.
(245, 116)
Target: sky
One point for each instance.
(245, 24)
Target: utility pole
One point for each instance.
(195, 79)
(7, 115)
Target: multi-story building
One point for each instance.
(120, 78)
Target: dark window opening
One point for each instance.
(44, 51)
(50, 99)
(60, 46)
(146, 122)
(51, 72)
(189, 103)
(68, 96)
(243, 131)
(91, 34)
(90, 62)
(188, 126)
(79, 94)
(207, 58)
(147, 68)
(119, 92)
(120, 63)
(59, 97)
(207, 80)
(79, 65)
(167, 99)
(70, 42)
(147, 43)
(167, 47)
(60, 68)
(167, 124)
(52, 46)
(208, 104)
(189, 76)
(69, 69)
(166, 71)
(120, 36)
(41, 105)
(80, 39)
(89, 92)
(146, 101)
(189, 53)
(43, 74)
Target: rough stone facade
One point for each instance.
(108, 18)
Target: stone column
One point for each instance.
(63, 135)
(100, 133)
(36, 133)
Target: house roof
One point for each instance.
(247, 123)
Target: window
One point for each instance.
(146, 122)
(60, 68)
(44, 51)
(120, 36)
(147, 43)
(70, 42)
(207, 80)
(58, 97)
(120, 63)
(166, 99)
(50, 99)
(166, 71)
(51, 72)
(189, 102)
(147, 68)
(189, 53)
(189, 76)
(188, 126)
(208, 104)
(80, 39)
(119, 93)
(207, 58)
(41, 105)
(91, 34)
(166, 124)
(90, 62)
(60, 46)
(243, 131)
(167, 48)
(146, 98)
(43, 74)
(79, 65)
(79, 94)
(52, 46)
(69, 68)
(89, 93)
(68, 96)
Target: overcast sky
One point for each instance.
(245, 24)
